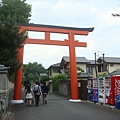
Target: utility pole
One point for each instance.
(95, 66)
(103, 63)
(105, 66)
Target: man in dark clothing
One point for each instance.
(37, 92)
(44, 92)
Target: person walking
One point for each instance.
(44, 92)
(25, 90)
(37, 92)
(29, 95)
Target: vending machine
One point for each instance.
(104, 84)
(115, 89)
(93, 89)
(89, 89)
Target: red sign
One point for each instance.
(115, 89)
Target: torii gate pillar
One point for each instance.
(74, 81)
(18, 79)
(70, 42)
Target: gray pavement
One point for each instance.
(59, 108)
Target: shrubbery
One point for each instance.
(56, 80)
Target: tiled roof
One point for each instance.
(92, 62)
(85, 75)
(55, 65)
(116, 72)
(60, 27)
(78, 59)
(111, 59)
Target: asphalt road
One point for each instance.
(59, 108)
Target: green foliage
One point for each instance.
(43, 79)
(31, 71)
(67, 72)
(17, 9)
(12, 12)
(79, 71)
(102, 75)
(56, 80)
(10, 41)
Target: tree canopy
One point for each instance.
(31, 72)
(12, 13)
(10, 41)
(18, 9)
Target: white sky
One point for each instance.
(75, 13)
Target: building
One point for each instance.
(54, 69)
(106, 64)
(80, 62)
(110, 63)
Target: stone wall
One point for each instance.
(64, 88)
(6, 94)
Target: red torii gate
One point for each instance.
(71, 42)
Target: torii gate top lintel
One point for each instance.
(69, 29)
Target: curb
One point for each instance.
(105, 105)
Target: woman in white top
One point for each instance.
(29, 95)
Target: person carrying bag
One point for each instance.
(37, 92)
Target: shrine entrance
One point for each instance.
(71, 43)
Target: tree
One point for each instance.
(10, 41)
(44, 79)
(79, 71)
(31, 71)
(56, 80)
(17, 9)
(102, 75)
(12, 13)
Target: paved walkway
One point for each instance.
(59, 108)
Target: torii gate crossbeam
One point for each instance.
(71, 42)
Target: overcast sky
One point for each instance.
(75, 13)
